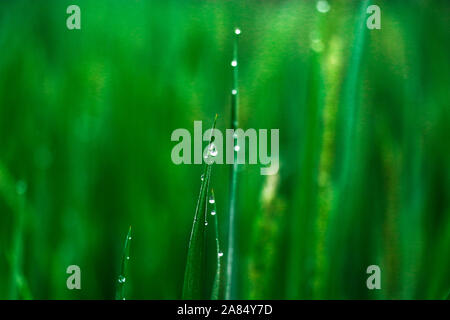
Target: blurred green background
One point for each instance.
(85, 123)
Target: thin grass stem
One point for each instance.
(122, 280)
(230, 288)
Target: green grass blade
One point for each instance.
(229, 290)
(194, 282)
(14, 196)
(218, 275)
(18, 280)
(350, 95)
(120, 290)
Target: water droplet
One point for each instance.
(21, 187)
(123, 299)
(206, 223)
(237, 148)
(202, 177)
(213, 150)
(234, 63)
(220, 254)
(237, 31)
(323, 6)
(122, 279)
(129, 238)
(128, 258)
(234, 92)
(210, 152)
(213, 213)
(211, 200)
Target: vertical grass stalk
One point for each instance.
(14, 194)
(230, 288)
(120, 289)
(194, 276)
(341, 213)
(218, 275)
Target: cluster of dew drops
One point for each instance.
(212, 149)
(213, 213)
(211, 153)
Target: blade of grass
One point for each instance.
(193, 286)
(350, 98)
(120, 290)
(218, 276)
(15, 197)
(230, 287)
(332, 81)
(18, 280)
(349, 105)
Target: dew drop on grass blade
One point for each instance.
(229, 289)
(218, 274)
(122, 279)
(194, 276)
